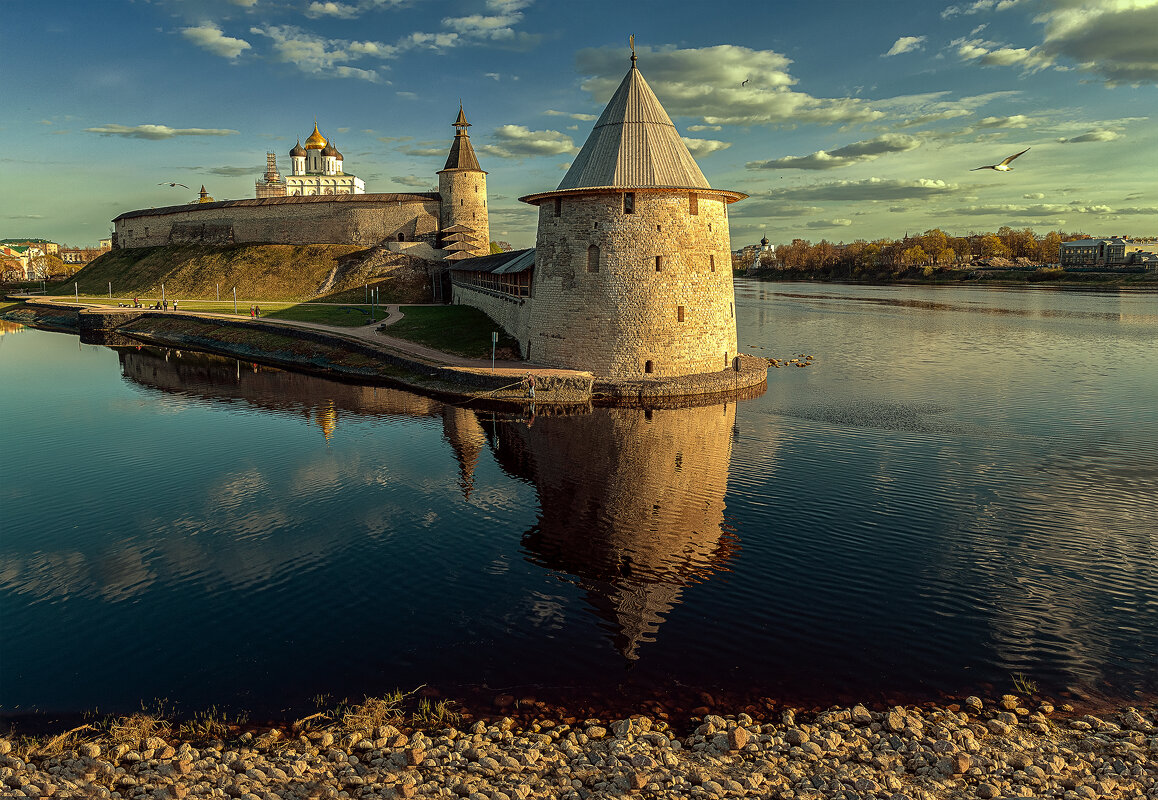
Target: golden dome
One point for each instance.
(316, 140)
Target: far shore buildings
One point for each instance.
(1113, 252)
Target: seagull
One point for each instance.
(745, 81)
(1004, 165)
(162, 183)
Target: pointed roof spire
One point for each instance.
(461, 152)
(634, 144)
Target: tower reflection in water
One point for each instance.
(631, 506)
(631, 501)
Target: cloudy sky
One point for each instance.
(843, 119)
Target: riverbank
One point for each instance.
(1002, 279)
(1010, 747)
(367, 353)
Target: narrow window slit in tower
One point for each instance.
(629, 202)
(680, 314)
(593, 258)
(658, 263)
(558, 206)
(712, 262)
(649, 366)
(694, 205)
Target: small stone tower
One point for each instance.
(633, 268)
(465, 228)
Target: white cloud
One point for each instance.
(706, 83)
(1034, 196)
(331, 9)
(550, 112)
(1105, 38)
(321, 57)
(830, 223)
(855, 153)
(517, 141)
(210, 37)
(698, 128)
(156, 131)
(704, 147)
(1093, 136)
(1014, 121)
(906, 44)
(870, 189)
(413, 181)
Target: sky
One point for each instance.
(842, 119)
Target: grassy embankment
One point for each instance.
(461, 330)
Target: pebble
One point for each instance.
(899, 753)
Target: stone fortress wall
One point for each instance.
(512, 314)
(603, 302)
(363, 219)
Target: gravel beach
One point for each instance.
(991, 749)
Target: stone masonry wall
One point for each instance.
(512, 313)
(368, 220)
(464, 193)
(614, 321)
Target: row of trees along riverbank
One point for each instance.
(932, 250)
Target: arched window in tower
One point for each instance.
(593, 258)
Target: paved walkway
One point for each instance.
(369, 334)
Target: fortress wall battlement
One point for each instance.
(625, 312)
(305, 220)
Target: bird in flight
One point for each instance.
(1003, 166)
(743, 82)
(162, 183)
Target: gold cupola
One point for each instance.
(316, 140)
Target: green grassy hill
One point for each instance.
(320, 272)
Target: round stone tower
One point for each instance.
(633, 268)
(465, 228)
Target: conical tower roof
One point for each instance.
(634, 145)
(461, 152)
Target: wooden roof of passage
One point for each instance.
(499, 263)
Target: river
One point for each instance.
(959, 493)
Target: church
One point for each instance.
(315, 169)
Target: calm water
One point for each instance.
(963, 487)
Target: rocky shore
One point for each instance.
(995, 749)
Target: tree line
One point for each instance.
(930, 251)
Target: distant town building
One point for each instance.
(315, 169)
(1113, 252)
(45, 246)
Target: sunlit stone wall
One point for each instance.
(617, 311)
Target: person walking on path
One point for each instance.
(251, 310)
(256, 310)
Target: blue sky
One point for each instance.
(842, 120)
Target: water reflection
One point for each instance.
(632, 506)
(631, 501)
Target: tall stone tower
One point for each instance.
(633, 269)
(465, 228)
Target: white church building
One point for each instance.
(315, 169)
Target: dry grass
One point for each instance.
(136, 728)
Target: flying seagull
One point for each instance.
(1004, 165)
(745, 81)
(162, 183)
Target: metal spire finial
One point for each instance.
(631, 41)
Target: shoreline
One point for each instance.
(368, 355)
(1010, 746)
(984, 283)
